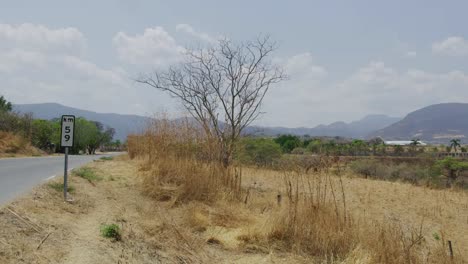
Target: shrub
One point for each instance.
(451, 168)
(258, 151)
(423, 173)
(45, 134)
(86, 173)
(288, 142)
(111, 231)
(298, 151)
(366, 167)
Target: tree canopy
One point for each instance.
(5, 106)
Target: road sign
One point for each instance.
(68, 129)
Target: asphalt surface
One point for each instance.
(20, 175)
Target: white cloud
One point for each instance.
(14, 59)
(309, 98)
(377, 88)
(192, 32)
(452, 46)
(40, 38)
(410, 54)
(39, 64)
(154, 47)
(290, 102)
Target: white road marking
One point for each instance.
(53, 176)
(49, 178)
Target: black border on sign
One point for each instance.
(61, 128)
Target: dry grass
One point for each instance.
(386, 222)
(318, 214)
(13, 145)
(383, 222)
(178, 164)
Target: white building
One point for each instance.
(403, 143)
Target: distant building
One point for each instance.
(403, 143)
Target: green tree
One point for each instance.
(258, 151)
(315, 146)
(414, 145)
(454, 143)
(452, 168)
(45, 134)
(330, 147)
(5, 106)
(359, 147)
(90, 135)
(288, 142)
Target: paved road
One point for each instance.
(19, 175)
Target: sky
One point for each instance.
(344, 59)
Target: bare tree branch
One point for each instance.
(227, 82)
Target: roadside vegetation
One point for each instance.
(87, 173)
(306, 209)
(22, 134)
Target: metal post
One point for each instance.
(65, 176)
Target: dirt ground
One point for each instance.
(41, 228)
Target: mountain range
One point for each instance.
(436, 123)
(126, 124)
(356, 129)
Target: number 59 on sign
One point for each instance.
(68, 129)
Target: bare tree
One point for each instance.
(222, 87)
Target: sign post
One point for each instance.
(66, 141)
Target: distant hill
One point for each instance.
(356, 129)
(126, 124)
(436, 123)
(123, 124)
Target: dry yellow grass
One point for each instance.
(397, 209)
(319, 216)
(223, 231)
(12, 145)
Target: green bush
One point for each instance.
(258, 151)
(288, 142)
(451, 168)
(46, 134)
(299, 151)
(111, 231)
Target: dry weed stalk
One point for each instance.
(315, 222)
(181, 163)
